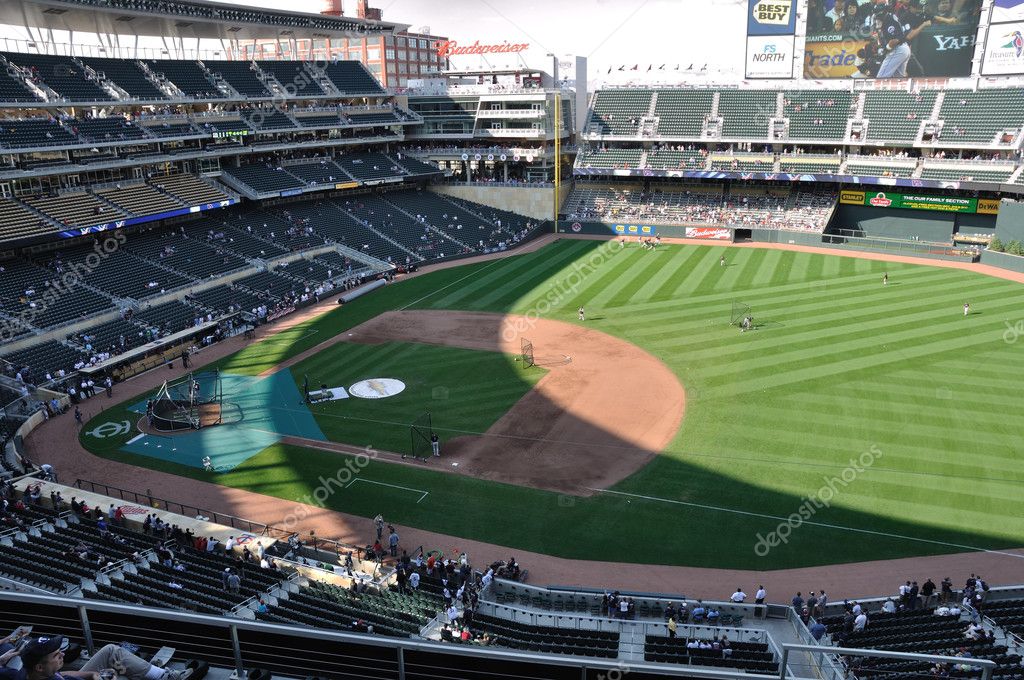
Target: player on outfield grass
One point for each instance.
(582, 314)
(721, 261)
(967, 308)
(885, 279)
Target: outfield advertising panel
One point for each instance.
(771, 17)
(635, 229)
(892, 199)
(711, 233)
(862, 39)
(1004, 50)
(770, 56)
(1007, 10)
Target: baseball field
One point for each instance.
(856, 421)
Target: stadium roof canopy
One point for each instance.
(186, 19)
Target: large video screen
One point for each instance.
(890, 38)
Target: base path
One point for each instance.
(603, 411)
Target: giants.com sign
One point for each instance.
(771, 17)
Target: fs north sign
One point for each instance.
(770, 56)
(771, 17)
(451, 48)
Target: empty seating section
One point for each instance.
(670, 159)
(617, 112)
(187, 76)
(895, 116)
(196, 258)
(743, 163)
(745, 113)
(78, 209)
(967, 173)
(17, 221)
(351, 78)
(320, 120)
(287, 228)
(241, 75)
(682, 113)
(508, 222)
(369, 166)
(13, 90)
(1009, 614)
(385, 118)
(24, 134)
(189, 189)
(232, 235)
(810, 165)
(176, 129)
(417, 167)
(226, 299)
(461, 224)
(269, 119)
(139, 199)
(293, 77)
(580, 642)
(270, 284)
(978, 116)
(324, 172)
(215, 125)
(310, 271)
(47, 357)
(127, 74)
(169, 317)
(610, 158)
(264, 179)
(858, 167)
(818, 114)
(747, 656)
(127, 276)
(387, 218)
(332, 220)
(60, 74)
(112, 129)
(322, 605)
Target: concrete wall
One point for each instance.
(1014, 263)
(1010, 223)
(533, 202)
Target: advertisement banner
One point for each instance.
(770, 57)
(988, 206)
(714, 233)
(891, 199)
(1004, 50)
(1007, 10)
(635, 229)
(865, 39)
(771, 17)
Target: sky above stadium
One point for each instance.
(664, 34)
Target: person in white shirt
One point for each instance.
(760, 595)
(229, 546)
(738, 596)
(453, 613)
(856, 609)
(692, 644)
(414, 580)
(889, 607)
(860, 622)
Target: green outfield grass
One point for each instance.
(841, 368)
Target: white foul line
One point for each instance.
(817, 524)
(393, 486)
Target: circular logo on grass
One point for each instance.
(376, 388)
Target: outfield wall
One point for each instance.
(533, 202)
(1014, 263)
(1010, 225)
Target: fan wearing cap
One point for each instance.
(43, 658)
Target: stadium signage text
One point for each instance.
(451, 48)
(772, 13)
(883, 199)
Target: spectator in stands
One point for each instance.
(671, 628)
(798, 602)
(817, 630)
(860, 622)
(43, 659)
(760, 595)
(889, 607)
(947, 590)
(739, 596)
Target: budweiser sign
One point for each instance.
(451, 48)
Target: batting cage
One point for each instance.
(740, 311)
(192, 402)
(526, 353)
(420, 432)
